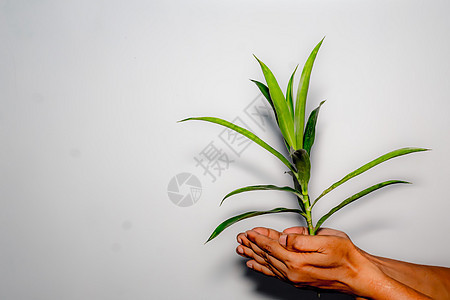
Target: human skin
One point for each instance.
(331, 261)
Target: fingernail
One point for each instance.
(239, 240)
(240, 250)
(250, 265)
(283, 240)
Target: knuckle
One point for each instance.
(294, 277)
(265, 256)
(269, 248)
(301, 277)
(296, 243)
(295, 266)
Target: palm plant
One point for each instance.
(298, 139)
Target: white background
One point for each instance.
(90, 92)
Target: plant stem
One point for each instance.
(308, 213)
(306, 203)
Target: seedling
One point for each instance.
(298, 139)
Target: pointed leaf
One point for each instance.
(285, 121)
(247, 215)
(289, 94)
(246, 133)
(265, 91)
(303, 165)
(356, 197)
(369, 165)
(302, 92)
(262, 188)
(310, 131)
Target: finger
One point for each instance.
(243, 240)
(244, 251)
(263, 257)
(277, 268)
(306, 253)
(303, 243)
(271, 233)
(267, 247)
(250, 250)
(241, 250)
(297, 230)
(254, 265)
(240, 237)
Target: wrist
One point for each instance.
(381, 280)
(369, 282)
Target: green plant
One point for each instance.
(299, 140)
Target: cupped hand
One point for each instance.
(328, 260)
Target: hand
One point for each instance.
(328, 261)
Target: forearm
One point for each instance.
(428, 280)
(371, 282)
(390, 289)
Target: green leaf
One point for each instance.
(289, 92)
(265, 91)
(356, 197)
(247, 215)
(310, 131)
(285, 121)
(302, 92)
(303, 165)
(246, 133)
(262, 188)
(369, 165)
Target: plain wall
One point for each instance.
(90, 92)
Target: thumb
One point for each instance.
(283, 240)
(300, 242)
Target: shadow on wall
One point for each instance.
(279, 290)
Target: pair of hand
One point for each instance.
(328, 260)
